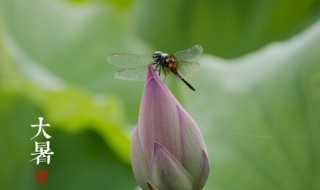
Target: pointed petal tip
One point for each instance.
(204, 174)
(167, 172)
(151, 72)
(151, 186)
(157, 146)
(206, 162)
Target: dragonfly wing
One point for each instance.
(189, 54)
(129, 60)
(188, 68)
(135, 73)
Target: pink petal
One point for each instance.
(158, 117)
(167, 172)
(204, 173)
(139, 164)
(192, 144)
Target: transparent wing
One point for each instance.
(190, 54)
(135, 73)
(129, 60)
(188, 68)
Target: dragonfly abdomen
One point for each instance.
(185, 81)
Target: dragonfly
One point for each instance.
(134, 66)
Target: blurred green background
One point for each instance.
(257, 101)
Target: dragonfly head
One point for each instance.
(157, 56)
(160, 57)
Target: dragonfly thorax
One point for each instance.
(161, 58)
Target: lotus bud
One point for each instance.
(167, 150)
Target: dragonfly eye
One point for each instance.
(156, 56)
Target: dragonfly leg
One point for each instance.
(157, 67)
(165, 75)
